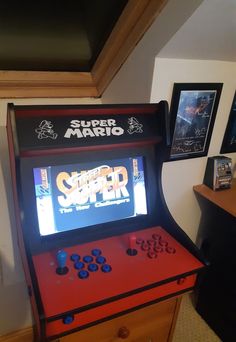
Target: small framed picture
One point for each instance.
(192, 116)
(229, 140)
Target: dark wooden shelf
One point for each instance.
(215, 296)
(225, 199)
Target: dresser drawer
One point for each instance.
(150, 324)
(102, 312)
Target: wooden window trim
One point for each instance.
(136, 18)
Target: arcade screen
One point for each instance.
(84, 194)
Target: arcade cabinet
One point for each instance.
(96, 238)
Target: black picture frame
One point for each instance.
(192, 116)
(229, 140)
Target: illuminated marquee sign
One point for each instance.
(52, 131)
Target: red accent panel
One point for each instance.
(100, 110)
(62, 294)
(53, 151)
(18, 222)
(103, 311)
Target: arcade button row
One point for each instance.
(92, 262)
(153, 246)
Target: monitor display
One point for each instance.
(80, 195)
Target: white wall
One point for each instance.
(15, 310)
(180, 176)
(203, 36)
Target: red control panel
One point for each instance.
(138, 265)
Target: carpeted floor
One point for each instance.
(190, 327)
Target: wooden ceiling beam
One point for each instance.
(20, 84)
(134, 21)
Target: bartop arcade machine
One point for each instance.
(96, 237)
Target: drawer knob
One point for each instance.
(68, 319)
(180, 281)
(123, 332)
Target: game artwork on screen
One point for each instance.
(84, 194)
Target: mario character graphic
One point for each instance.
(45, 130)
(134, 126)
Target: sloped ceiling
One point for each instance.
(45, 37)
(43, 43)
(210, 33)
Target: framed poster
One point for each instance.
(192, 116)
(229, 140)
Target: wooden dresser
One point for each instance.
(154, 323)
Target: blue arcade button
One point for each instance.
(83, 274)
(78, 265)
(87, 258)
(106, 268)
(92, 267)
(101, 260)
(74, 257)
(96, 252)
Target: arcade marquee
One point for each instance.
(95, 234)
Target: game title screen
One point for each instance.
(85, 194)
